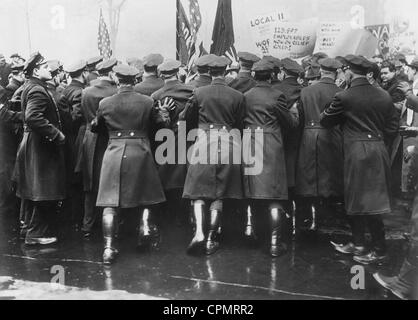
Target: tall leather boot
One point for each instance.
(277, 247)
(212, 242)
(109, 224)
(198, 241)
(249, 227)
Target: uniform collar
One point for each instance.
(77, 83)
(125, 89)
(263, 84)
(360, 82)
(244, 74)
(327, 80)
(219, 81)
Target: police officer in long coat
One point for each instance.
(173, 175)
(267, 113)
(70, 103)
(319, 171)
(150, 80)
(220, 109)
(244, 80)
(203, 77)
(129, 177)
(92, 69)
(90, 157)
(368, 119)
(40, 167)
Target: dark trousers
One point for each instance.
(374, 223)
(40, 218)
(91, 212)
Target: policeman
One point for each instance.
(90, 157)
(319, 172)
(244, 80)
(290, 86)
(173, 175)
(129, 177)
(91, 68)
(151, 82)
(70, 102)
(368, 118)
(276, 71)
(40, 167)
(203, 76)
(220, 109)
(267, 112)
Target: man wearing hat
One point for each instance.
(136, 63)
(319, 171)
(244, 80)
(203, 76)
(267, 110)
(129, 178)
(70, 103)
(90, 156)
(276, 71)
(398, 90)
(173, 175)
(213, 107)
(368, 119)
(40, 167)
(291, 88)
(151, 82)
(5, 70)
(10, 124)
(91, 68)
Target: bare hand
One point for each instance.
(168, 105)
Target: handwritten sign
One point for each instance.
(294, 39)
(262, 26)
(340, 39)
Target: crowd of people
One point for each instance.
(80, 140)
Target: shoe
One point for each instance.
(212, 243)
(143, 239)
(109, 255)
(196, 246)
(393, 284)
(155, 239)
(40, 241)
(278, 250)
(370, 258)
(349, 248)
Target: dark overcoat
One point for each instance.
(267, 110)
(216, 107)
(291, 89)
(40, 166)
(89, 160)
(173, 175)
(243, 82)
(319, 171)
(129, 176)
(149, 85)
(368, 119)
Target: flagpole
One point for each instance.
(177, 30)
(28, 26)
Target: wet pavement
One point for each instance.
(310, 270)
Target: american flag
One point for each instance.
(195, 17)
(104, 38)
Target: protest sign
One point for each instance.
(340, 39)
(294, 39)
(262, 26)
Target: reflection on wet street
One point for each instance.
(310, 270)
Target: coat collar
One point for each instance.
(326, 80)
(291, 81)
(76, 83)
(219, 81)
(263, 84)
(171, 84)
(151, 77)
(360, 82)
(125, 89)
(37, 82)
